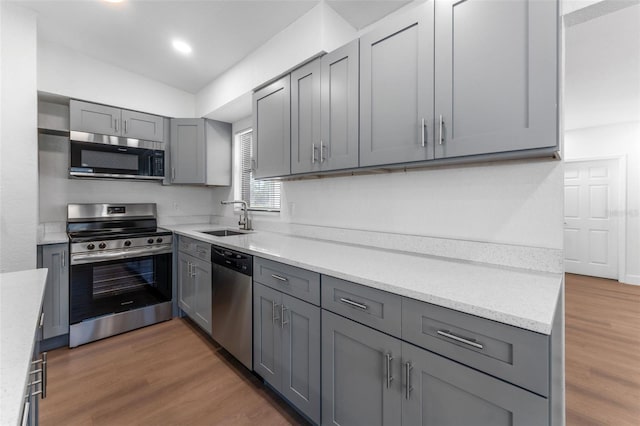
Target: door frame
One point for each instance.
(621, 215)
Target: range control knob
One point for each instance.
(150, 241)
(158, 240)
(127, 243)
(102, 245)
(91, 246)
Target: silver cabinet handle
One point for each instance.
(470, 342)
(173, 173)
(282, 320)
(125, 126)
(115, 124)
(274, 309)
(63, 258)
(313, 153)
(279, 278)
(408, 387)
(422, 132)
(322, 152)
(441, 141)
(389, 375)
(41, 319)
(355, 304)
(25, 413)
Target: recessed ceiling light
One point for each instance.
(181, 46)
(113, 1)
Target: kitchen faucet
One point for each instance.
(244, 222)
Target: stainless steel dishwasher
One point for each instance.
(231, 302)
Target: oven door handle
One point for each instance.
(81, 258)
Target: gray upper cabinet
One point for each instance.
(440, 392)
(187, 150)
(496, 76)
(272, 132)
(200, 152)
(139, 125)
(324, 112)
(94, 118)
(340, 106)
(112, 121)
(55, 304)
(396, 90)
(361, 382)
(305, 118)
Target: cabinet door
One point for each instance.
(301, 355)
(305, 118)
(271, 130)
(396, 90)
(340, 80)
(187, 150)
(359, 385)
(267, 337)
(94, 118)
(202, 294)
(139, 125)
(185, 284)
(444, 393)
(55, 304)
(496, 75)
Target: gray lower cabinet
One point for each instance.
(286, 347)
(496, 76)
(271, 149)
(55, 304)
(396, 90)
(194, 289)
(361, 382)
(200, 152)
(440, 392)
(107, 120)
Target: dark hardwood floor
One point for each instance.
(171, 374)
(602, 352)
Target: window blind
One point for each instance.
(261, 195)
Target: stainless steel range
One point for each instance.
(120, 275)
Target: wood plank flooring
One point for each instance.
(602, 352)
(171, 374)
(165, 374)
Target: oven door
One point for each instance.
(103, 288)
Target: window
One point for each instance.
(260, 194)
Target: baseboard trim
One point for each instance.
(631, 279)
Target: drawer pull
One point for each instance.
(460, 339)
(352, 303)
(408, 387)
(279, 278)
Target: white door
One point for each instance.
(590, 230)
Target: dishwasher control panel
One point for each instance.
(237, 261)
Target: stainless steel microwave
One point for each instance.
(112, 157)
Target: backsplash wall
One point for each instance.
(175, 203)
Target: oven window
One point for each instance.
(118, 278)
(108, 160)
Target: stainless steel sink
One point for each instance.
(223, 232)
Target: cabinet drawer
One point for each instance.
(195, 248)
(294, 281)
(369, 306)
(513, 354)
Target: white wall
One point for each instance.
(620, 139)
(63, 71)
(319, 29)
(56, 189)
(18, 144)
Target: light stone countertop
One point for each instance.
(21, 296)
(53, 238)
(517, 297)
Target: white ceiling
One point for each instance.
(602, 70)
(136, 34)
